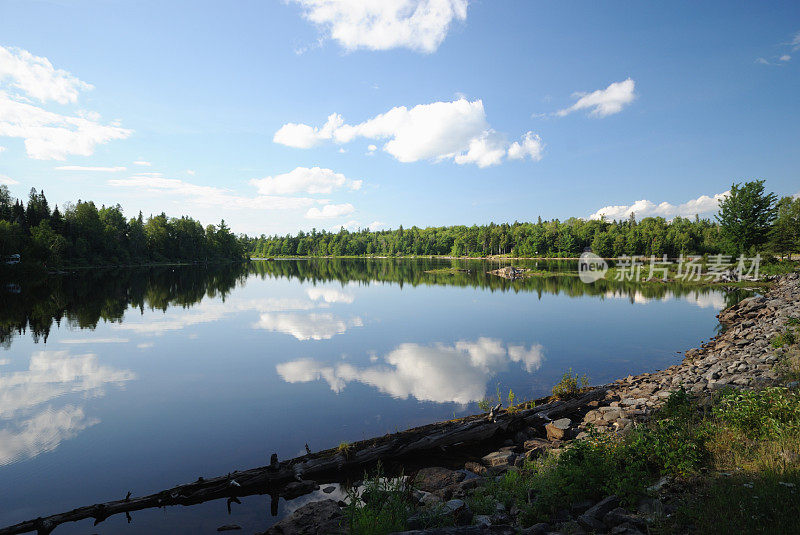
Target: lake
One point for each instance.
(139, 379)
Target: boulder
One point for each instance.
(603, 507)
(460, 511)
(475, 468)
(559, 429)
(437, 478)
(499, 458)
(315, 518)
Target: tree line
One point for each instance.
(82, 300)
(749, 220)
(83, 234)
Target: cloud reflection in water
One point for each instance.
(440, 373)
(30, 421)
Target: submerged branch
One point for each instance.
(290, 479)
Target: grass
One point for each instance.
(486, 404)
(382, 507)
(754, 436)
(788, 365)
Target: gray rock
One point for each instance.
(603, 507)
(460, 511)
(315, 518)
(591, 523)
(559, 429)
(536, 529)
(437, 478)
(499, 458)
(482, 520)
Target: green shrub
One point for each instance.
(761, 415)
(570, 385)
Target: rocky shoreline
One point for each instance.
(740, 357)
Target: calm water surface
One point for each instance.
(142, 379)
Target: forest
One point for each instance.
(84, 235)
(749, 220)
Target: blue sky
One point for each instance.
(447, 112)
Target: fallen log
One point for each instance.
(290, 479)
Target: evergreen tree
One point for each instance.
(745, 216)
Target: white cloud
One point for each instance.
(47, 135)
(190, 172)
(530, 146)
(795, 42)
(88, 168)
(142, 162)
(384, 24)
(456, 130)
(376, 225)
(347, 225)
(2, 148)
(439, 373)
(488, 149)
(156, 184)
(52, 136)
(302, 136)
(644, 208)
(7, 181)
(372, 148)
(307, 326)
(303, 179)
(330, 210)
(604, 102)
(37, 77)
(792, 46)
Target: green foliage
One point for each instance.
(553, 239)
(761, 415)
(485, 404)
(381, 508)
(86, 235)
(786, 338)
(570, 385)
(785, 233)
(755, 433)
(745, 216)
(745, 221)
(674, 443)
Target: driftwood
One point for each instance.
(292, 478)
